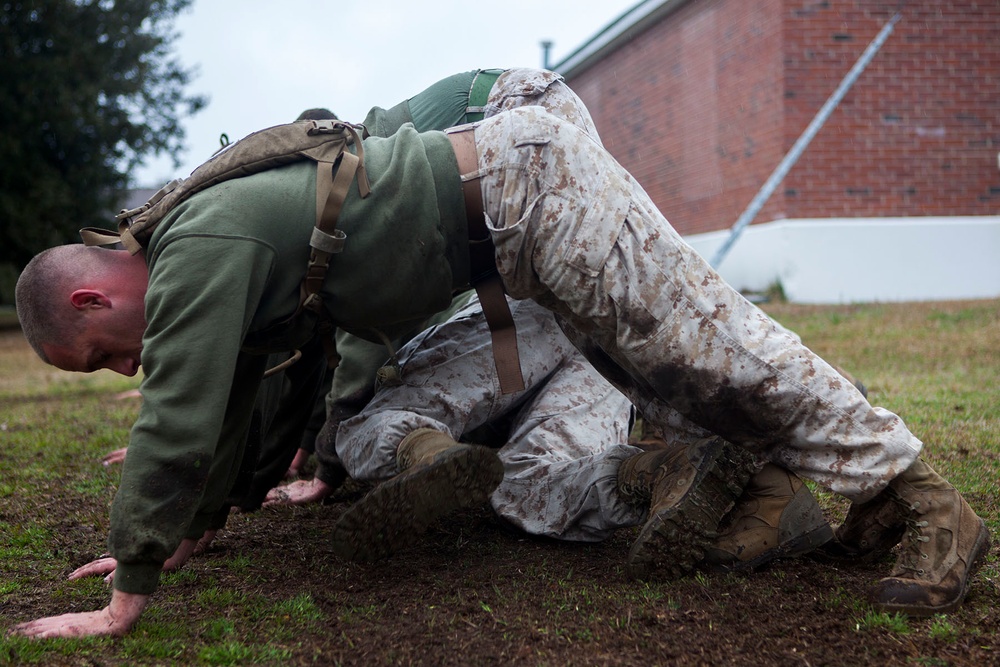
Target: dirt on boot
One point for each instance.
(689, 491)
(944, 545)
(868, 533)
(396, 512)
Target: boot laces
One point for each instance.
(639, 492)
(639, 482)
(403, 462)
(913, 553)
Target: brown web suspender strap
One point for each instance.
(483, 271)
(502, 333)
(333, 180)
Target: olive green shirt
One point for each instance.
(224, 268)
(444, 104)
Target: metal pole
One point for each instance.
(546, 48)
(803, 141)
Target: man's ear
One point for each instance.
(85, 299)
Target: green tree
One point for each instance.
(88, 89)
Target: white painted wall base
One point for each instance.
(850, 260)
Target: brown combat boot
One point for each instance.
(689, 490)
(869, 532)
(437, 476)
(776, 517)
(944, 544)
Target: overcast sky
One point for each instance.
(262, 62)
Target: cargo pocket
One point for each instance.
(642, 276)
(589, 243)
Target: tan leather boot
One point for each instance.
(869, 531)
(689, 490)
(776, 517)
(437, 476)
(944, 544)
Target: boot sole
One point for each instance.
(981, 548)
(395, 513)
(675, 538)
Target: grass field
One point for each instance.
(271, 592)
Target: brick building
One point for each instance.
(701, 99)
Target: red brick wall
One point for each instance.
(702, 106)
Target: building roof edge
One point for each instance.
(619, 31)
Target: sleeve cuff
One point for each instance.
(207, 521)
(141, 579)
(331, 475)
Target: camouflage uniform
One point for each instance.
(576, 233)
(284, 407)
(522, 87)
(559, 481)
(568, 429)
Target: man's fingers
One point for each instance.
(97, 568)
(117, 456)
(31, 628)
(301, 458)
(276, 496)
(204, 542)
(69, 625)
(46, 627)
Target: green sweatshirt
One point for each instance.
(224, 267)
(442, 105)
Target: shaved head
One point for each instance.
(317, 114)
(42, 292)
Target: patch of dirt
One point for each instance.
(474, 592)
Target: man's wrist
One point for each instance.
(125, 610)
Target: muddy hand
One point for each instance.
(302, 492)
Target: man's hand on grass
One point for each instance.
(117, 456)
(204, 542)
(116, 619)
(301, 492)
(105, 566)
